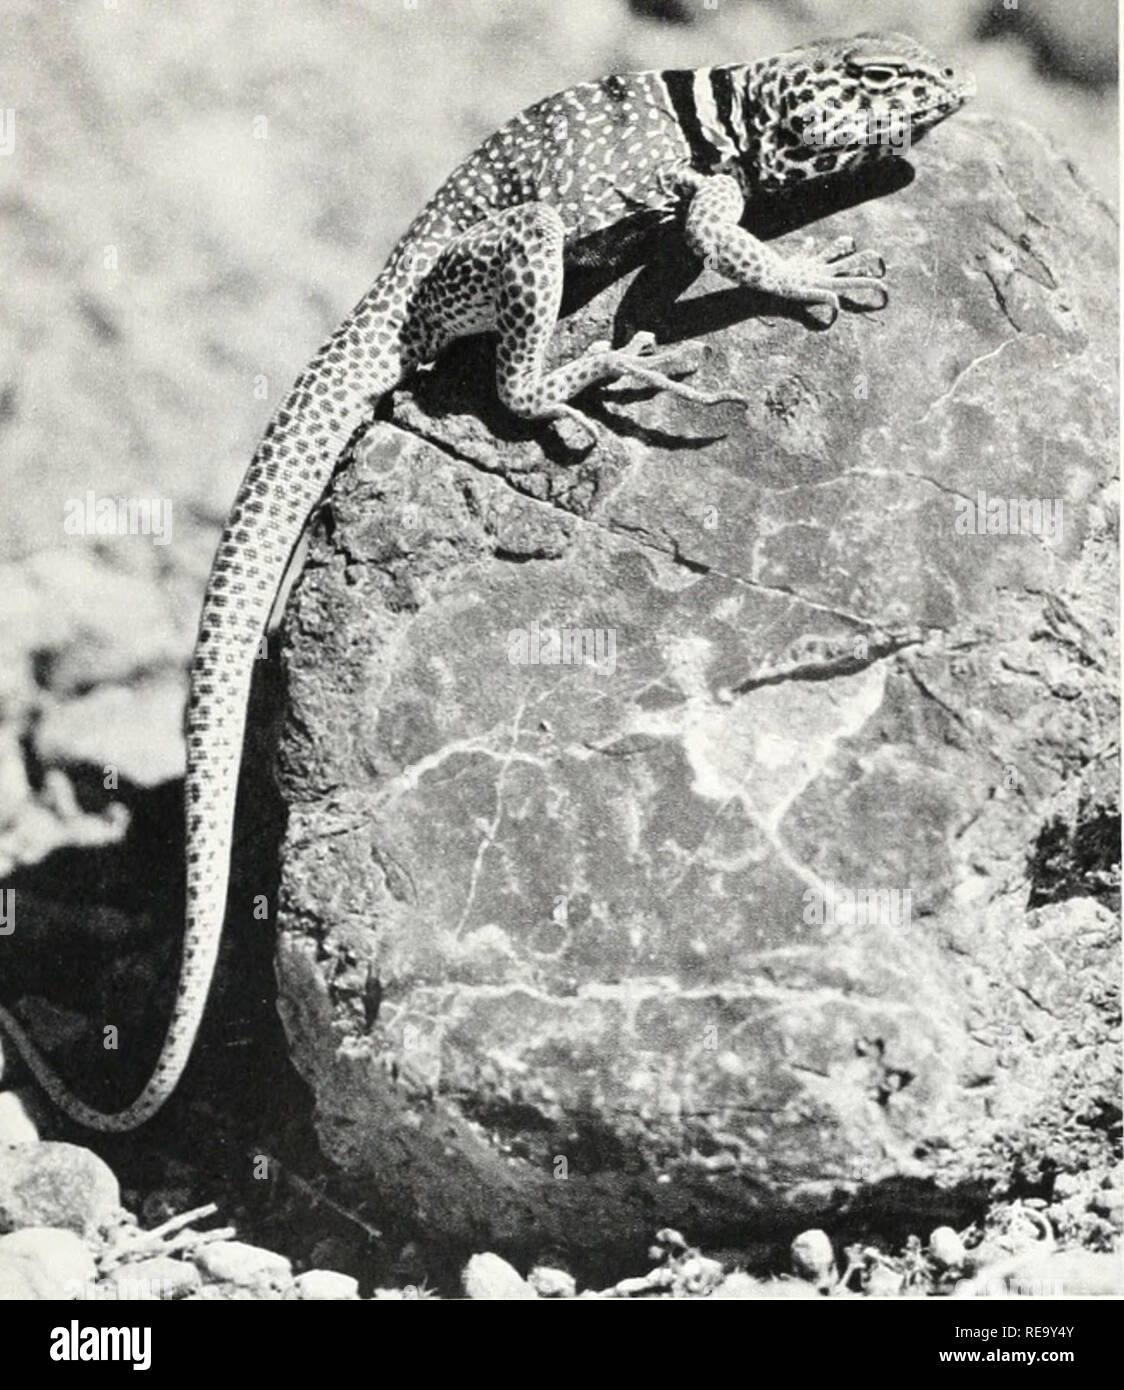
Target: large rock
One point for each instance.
(52, 1184)
(566, 950)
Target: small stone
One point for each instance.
(1066, 1185)
(52, 1184)
(164, 1277)
(52, 1256)
(488, 1277)
(882, 1282)
(697, 1276)
(813, 1258)
(16, 1123)
(248, 1266)
(549, 1282)
(672, 1240)
(325, 1286)
(946, 1249)
(654, 1282)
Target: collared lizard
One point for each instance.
(488, 253)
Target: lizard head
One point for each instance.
(836, 103)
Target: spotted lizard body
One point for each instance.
(488, 253)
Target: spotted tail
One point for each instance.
(290, 470)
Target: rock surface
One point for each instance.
(563, 945)
(248, 1266)
(813, 1258)
(50, 1184)
(325, 1286)
(489, 1277)
(56, 1263)
(160, 1277)
(17, 1123)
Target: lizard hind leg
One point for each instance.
(506, 274)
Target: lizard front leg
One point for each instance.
(713, 232)
(506, 274)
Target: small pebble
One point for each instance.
(16, 1123)
(250, 1266)
(882, 1282)
(549, 1282)
(1066, 1185)
(52, 1256)
(672, 1240)
(52, 1184)
(489, 1277)
(813, 1258)
(326, 1286)
(167, 1278)
(946, 1249)
(657, 1280)
(697, 1275)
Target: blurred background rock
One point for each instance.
(193, 196)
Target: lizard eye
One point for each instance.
(878, 77)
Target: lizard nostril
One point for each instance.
(949, 72)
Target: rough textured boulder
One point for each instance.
(572, 950)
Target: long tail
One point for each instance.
(290, 470)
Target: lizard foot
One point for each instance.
(838, 269)
(641, 358)
(867, 263)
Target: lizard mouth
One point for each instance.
(917, 122)
(963, 92)
(920, 121)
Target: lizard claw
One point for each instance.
(641, 359)
(821, 280)
(642, 344)
(841, 247)
(840, 270)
